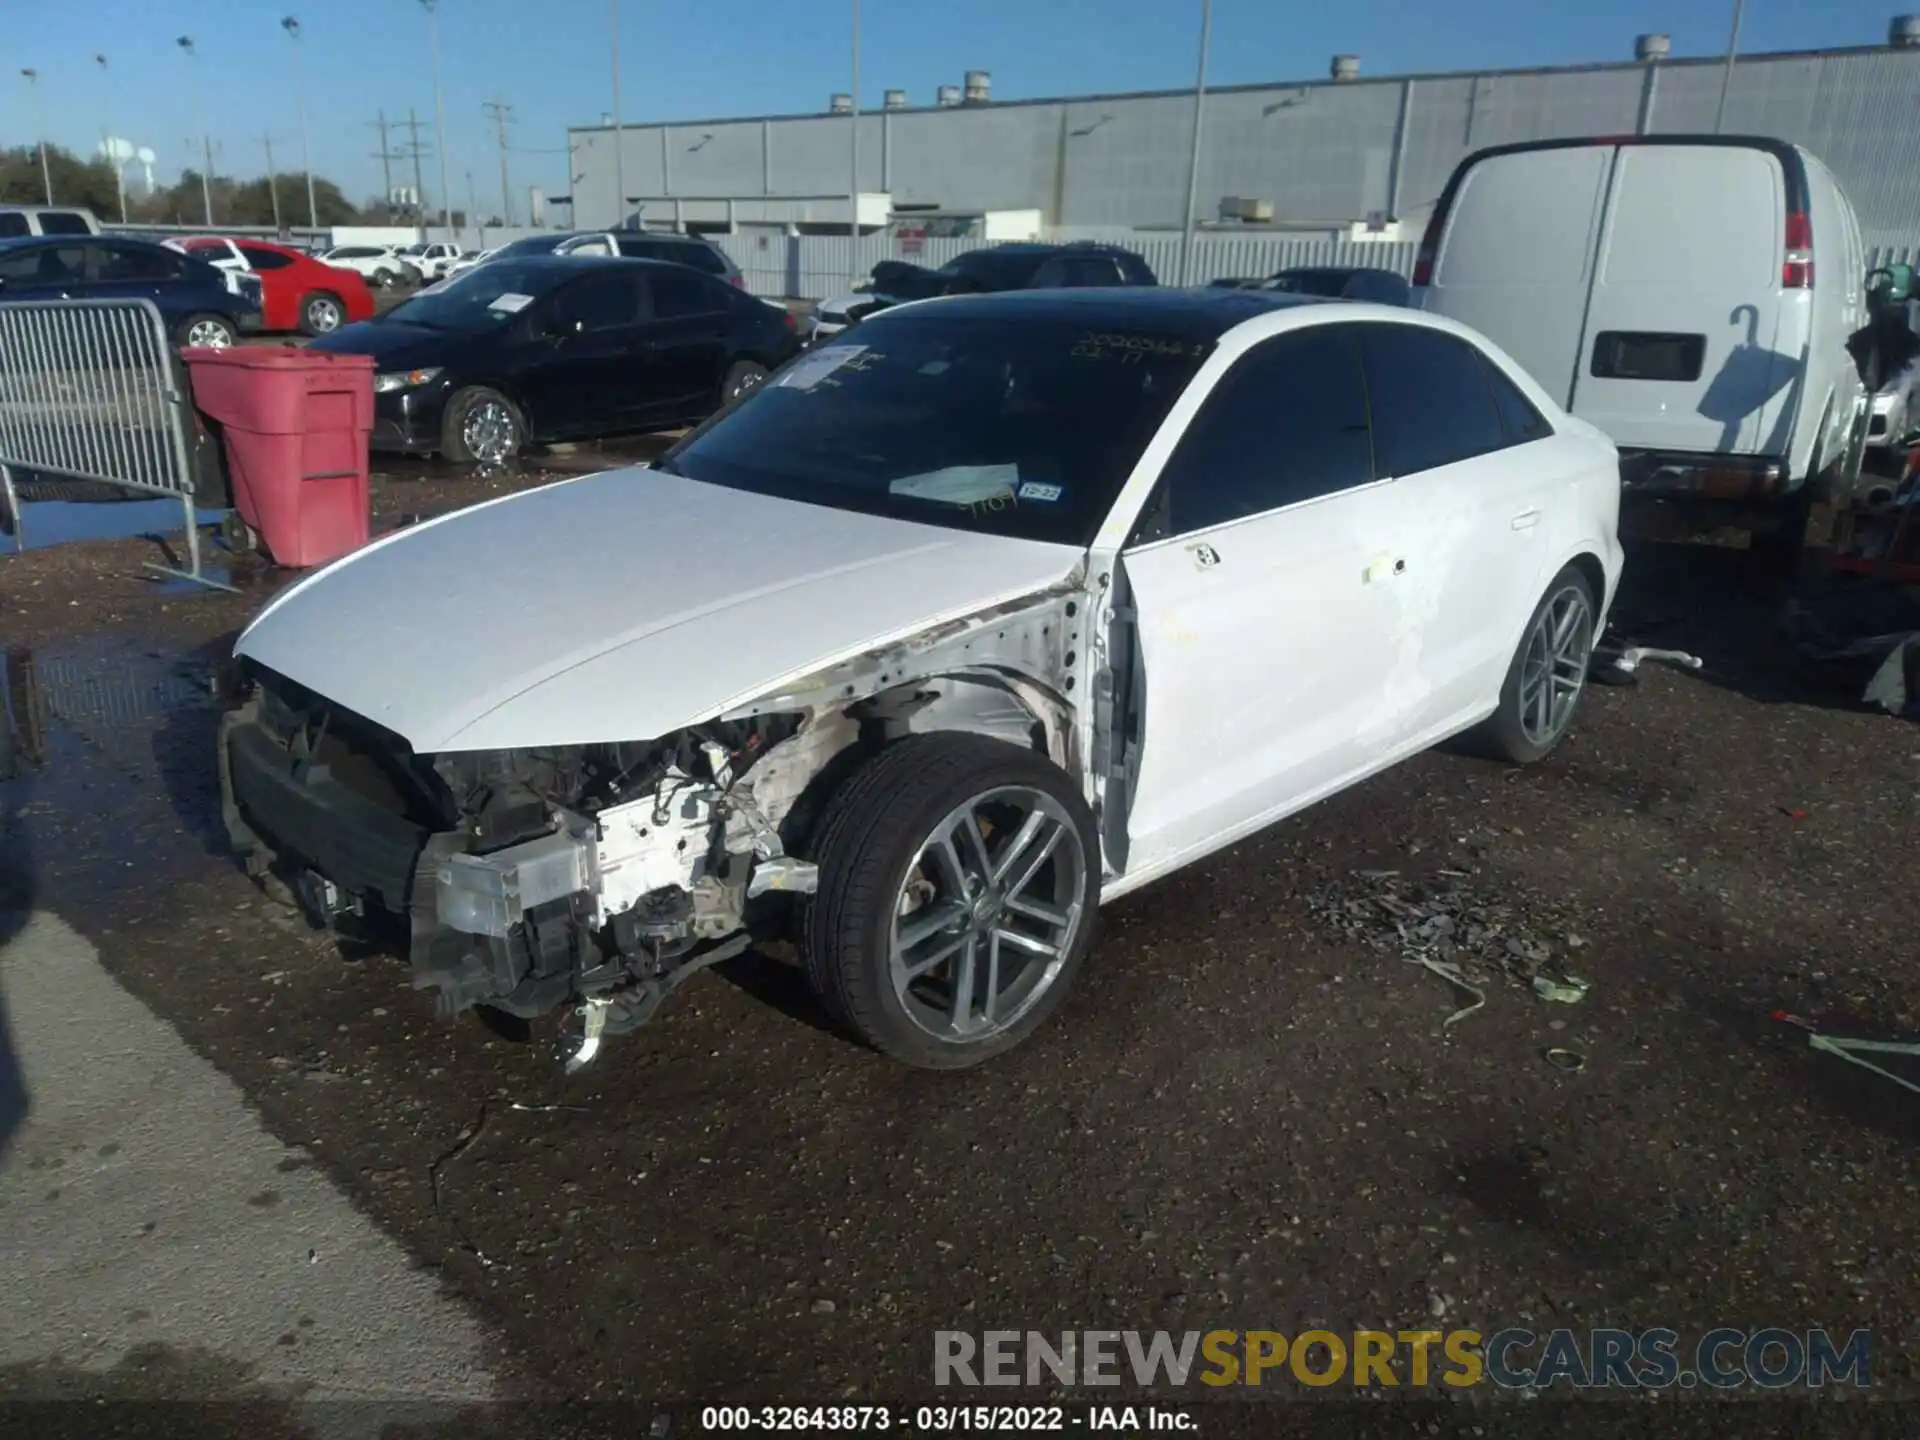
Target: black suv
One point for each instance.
(1019, 266)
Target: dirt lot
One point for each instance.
(1249, 1115)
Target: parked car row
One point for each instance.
(200, 304)
(532, 348)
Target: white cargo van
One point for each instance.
(1666, 289)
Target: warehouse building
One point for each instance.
(1349, 156)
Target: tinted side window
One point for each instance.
(45, 265)
(262, 259)
(1431, 402)
(63, 222)
(1136, 270)
(607, 301)
(1093, 270)
(113, 263)
(1518, 417)
(703, 258)
(1049, 276)
(677, 296)
(13, 223)
(1287, 423)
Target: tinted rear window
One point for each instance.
(64, 222)
(13, 224)
(1429, 397)
(1024, 427)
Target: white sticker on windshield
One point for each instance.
(512, 302)
(1045, 494)
(810, 369)
(960, 484)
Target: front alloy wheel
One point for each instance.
(1547, 674)
(209, 332)
(958, 881)
(987, 915)
(490, 432)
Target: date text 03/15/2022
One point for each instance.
(946, 1419)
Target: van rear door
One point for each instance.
(1687, 305)
(1518, 252)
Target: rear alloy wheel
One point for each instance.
(745, 375)
(206, 332)
(321, 313)
(481, 427)
(959, 876)
(1548, 673)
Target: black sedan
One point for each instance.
(200, 305)
(546, 348)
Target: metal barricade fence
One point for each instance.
(91, 390)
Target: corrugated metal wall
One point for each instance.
(1319, 151)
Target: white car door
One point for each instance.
(1478, 487)
(1262, 574)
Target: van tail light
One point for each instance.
(786, 317)
(1429, 247)
(1796, 270)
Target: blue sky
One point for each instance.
(550, 59)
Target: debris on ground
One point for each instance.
(1854, 1051)
(1459, 933)
(1863, 639)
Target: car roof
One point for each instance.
(22, 242)
(1189, 314)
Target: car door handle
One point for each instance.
(1526, 520)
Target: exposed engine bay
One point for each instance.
(604, 875)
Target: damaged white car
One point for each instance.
(923, 651)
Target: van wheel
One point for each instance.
(1774, 556)
(959, 876)
(1548, 672)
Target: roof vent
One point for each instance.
(979, 87)
(894, 100)
(948, 97)
(841, 104)
(1345, 67)
(1904, 32)
(1651, 49)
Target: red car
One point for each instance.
(297, 291)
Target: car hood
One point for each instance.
(620, 606)
(393, 344)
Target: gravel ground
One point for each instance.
(1251, 1114)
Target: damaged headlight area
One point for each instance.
(523, 880)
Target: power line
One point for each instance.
(414, 150)
(386, 155)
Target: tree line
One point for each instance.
(89, 183)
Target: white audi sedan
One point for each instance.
(993, 610)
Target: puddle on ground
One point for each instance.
(588, 457)
(46, 523)
(107, 783)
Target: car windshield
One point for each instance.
(419, 248)
(1010, 426)
(483, 298)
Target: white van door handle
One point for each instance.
(1526, 520)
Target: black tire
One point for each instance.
(870, 835)
(196, 330)
(453, 422)
(1505, 733)
(321, 313)
(742, 377)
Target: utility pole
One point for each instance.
(619, 143)
(473, 212)
(40, 129)
(273, 187)
(414, 151)
(386, 155)
(1726, 73)
(185, 42)
(439, 106)
(853, 193)
(292, 26)
(501, 113)
(112, 147)
(1193, 158)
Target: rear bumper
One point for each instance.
(1721, 479)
